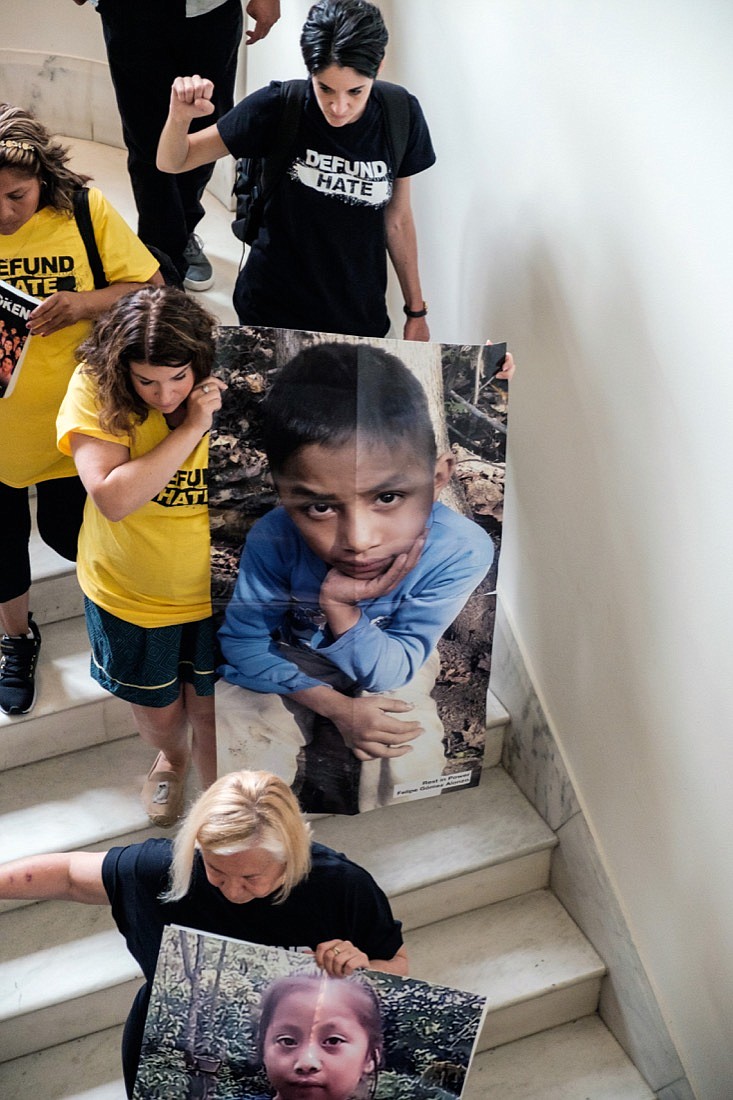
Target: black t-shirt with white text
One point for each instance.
(320, 260)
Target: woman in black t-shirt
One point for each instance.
(242, 865)
(340, 206)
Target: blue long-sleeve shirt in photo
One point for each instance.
(276, 600)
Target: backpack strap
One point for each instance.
(84, 224)
(396, 105)
(292, 97)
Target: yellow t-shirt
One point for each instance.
(48, 248)
(151, 568)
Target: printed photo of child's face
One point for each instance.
(360, 504)
(316, 1046)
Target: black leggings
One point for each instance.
(59, 510)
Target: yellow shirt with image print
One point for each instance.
(45, 255)
(151, 568)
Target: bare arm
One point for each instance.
(66, 307)
(340, 957)
(402, 247)
(119, 485)
(67, 876)
(179, 151)
(265, 14)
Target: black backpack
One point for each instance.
(256, 177)
(86, 230)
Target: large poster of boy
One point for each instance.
(364, 481)
(235, 1021)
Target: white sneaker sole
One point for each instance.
(198, 284)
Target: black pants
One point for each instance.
(59, 511)
(149, 43)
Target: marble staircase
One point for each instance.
(467, 874)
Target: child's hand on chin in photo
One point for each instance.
(348, 588)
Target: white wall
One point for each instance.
(55, 27)
(581, 208)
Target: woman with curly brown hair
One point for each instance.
(42, 254)
(136, 420)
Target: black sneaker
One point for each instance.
(18, 659)
(199, 274)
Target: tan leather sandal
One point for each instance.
(163, 795)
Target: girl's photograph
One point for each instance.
(241, 1021)
(320, 1033)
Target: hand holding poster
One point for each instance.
(243, 1022)
(345, 604)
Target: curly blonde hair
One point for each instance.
(162, 326)
(241, 811)
(26, 146)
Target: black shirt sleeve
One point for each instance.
(134, 877)
(248, 129)
(419, 153)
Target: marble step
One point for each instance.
(71, 710)
(83, 1069)
(63, 978)
(577, 1061)
(451, 853)
(76, 801)
(497, 719)
(525, 955)
(434, 857)
(64, 973)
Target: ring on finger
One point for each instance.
(336, 951)
(205, 389)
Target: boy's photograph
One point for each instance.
(244, 1022)
(345, 556)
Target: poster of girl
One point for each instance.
(321, 1033)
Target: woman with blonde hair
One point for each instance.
(243, 866)
(42, 254)
(136, 420)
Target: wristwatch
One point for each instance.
(417, 312)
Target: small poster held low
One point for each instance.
(238, 1021)
(15, 309)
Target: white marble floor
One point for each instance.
(107, 167)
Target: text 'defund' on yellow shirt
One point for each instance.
(151, 568)
(45, 255)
